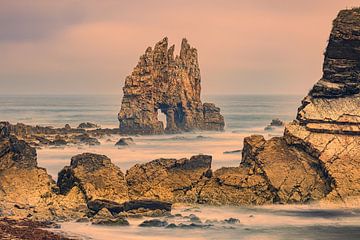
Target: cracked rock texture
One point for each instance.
(319, 155)
(95, 176)
(168, 179)
(162, 82)
(26, 190)
(328, 121)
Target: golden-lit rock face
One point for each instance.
(96, 177)
(162, 82)
(168, 179)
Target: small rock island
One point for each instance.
(172, 85)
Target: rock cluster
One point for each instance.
(162, 82)
(39, 136)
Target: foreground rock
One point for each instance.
(162, 82)
(168, 179)
(96, 176)
(27, 190)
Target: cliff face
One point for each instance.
(327, 127)
(162, 82)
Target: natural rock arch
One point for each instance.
(171, 84)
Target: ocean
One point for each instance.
(244, 115)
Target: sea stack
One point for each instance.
(172, 85)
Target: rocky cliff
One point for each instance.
(162, 82)
(326, 130)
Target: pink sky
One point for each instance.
(87, 47)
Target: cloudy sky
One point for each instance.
(89, 47)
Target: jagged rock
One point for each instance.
(124, 142)
(23, 183)
(162, 82)
(96, 176)
(14, 152)
(328, 121)
(235, 186)
(67, 127)
(168, 179)
(324, 140)
(87, 125)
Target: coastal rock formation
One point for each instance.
(162, 82)
(328, 121)
(95, 176)
(319, 155)
(26, 190)
(168, 179)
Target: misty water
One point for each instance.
(244, 115)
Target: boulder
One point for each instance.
(168, 179)
(162, 82)
(124, 141)
(96, 176)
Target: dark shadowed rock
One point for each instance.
(86, 139)
(88, 125)
(147, 204)
(125, 141)
(168, 179)
(162, 82)
(153, 223)
(96, 176)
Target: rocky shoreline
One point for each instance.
(317, 159)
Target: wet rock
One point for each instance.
(96, 176)
(147, 204)
(112, 222)
(189, 226)
(168, 179)
(153, 223)
(86, 139)
(87, 125)
(162, 82)
(104, 217)
(277, 123)
(233, 152)
(232, 221)
(193, 218)
(124, 142)
(98, 204)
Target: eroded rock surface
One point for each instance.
(96, 177)
(328, 121)
(162, 82)
(319, 155)
(168, 179)
(26, 190)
